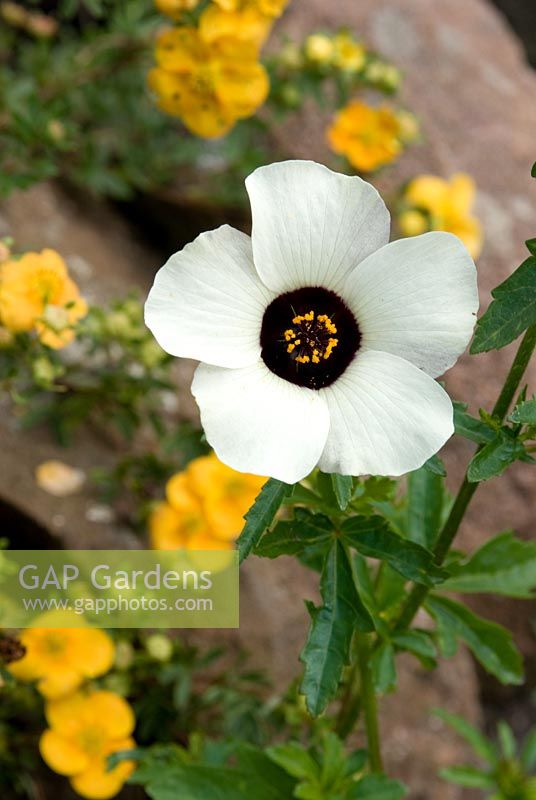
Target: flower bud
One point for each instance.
(124, 654)
(319, 48)
(44, 371)
(159, 647)
(412, 223)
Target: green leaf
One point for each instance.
(294, 759)
(495, 457)
(471, 428)
(506, 740)
(373, 537)
(261, 515)
(342, 488)
(533, 170)
(376, 787)
(326, 650)
(504, 565)
(384, 668)
(435, 465)
(259, 778)
(528, 751)
(525, 413)
(467, 776)
(491, 644)
(512, 311)
(291, 537)
(425, 506)
(531, 246)
(417, 642)
(482, 746)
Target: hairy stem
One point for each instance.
(467, 490)
(368, 701)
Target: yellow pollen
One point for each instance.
(313, 330)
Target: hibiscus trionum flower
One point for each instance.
(319, 340)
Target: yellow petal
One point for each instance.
(180, 49)
(95, 651)
(62, 755)
(111, 713)
(470, 232)
(428, 192)
(205, 541)
(99, 783)
(242, 88)
(65, 715)
(179, 493)
(412, 223)
(209, 121)
(462, 192)
(247, 24)
(59, 682)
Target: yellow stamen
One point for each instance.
(313, 338)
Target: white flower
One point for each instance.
(319, 340)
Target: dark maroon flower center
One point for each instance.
(309, 337)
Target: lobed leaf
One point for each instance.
(491, 644)
(326, 650)
(426, 496)
(468, 776)
(435, 465)
(469, 427)
(511, 312)
(342, 488)
(291, 537)
(384, 668)
(495, 457)
(482, 746)
(373, 537)
(504, 565)
(377, 787)
(525, 412)
(261, 515)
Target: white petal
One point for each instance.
(387, 417)
(311, 226)
(416, 298)
(207, 301)
(259, 423)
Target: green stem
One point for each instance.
(368, 700)
(467, 489)
(350, 704)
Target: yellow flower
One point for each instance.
(319, 48)
(369, 137)
(348, 54)
(245, 25)
(175, 8)
(226, 495)
(36, 292)
(204, 507)
(271, 8)
(413, 223)
(84, 729)
(211, 86)
(445, 205)
(60, 659)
